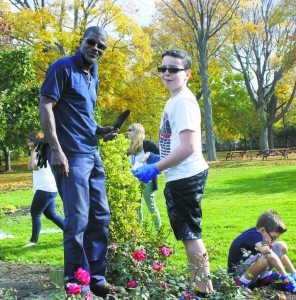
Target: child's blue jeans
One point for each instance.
(43, 202)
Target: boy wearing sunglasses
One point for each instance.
(183, 164)
(254, 253)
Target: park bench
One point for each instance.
(240, 153)
(292, 150)
(280, 152)
(1, 160)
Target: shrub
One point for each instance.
(122, 187)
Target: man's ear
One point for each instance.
(261, 229)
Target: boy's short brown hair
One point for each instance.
(271, 221)
(183, 55)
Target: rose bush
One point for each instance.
(145, 270)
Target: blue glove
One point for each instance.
(289, 283)
(146, 172)
(294, 275)
(153, 158)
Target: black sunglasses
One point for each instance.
(273, 238)
(173, 70)
(93, 43)
(130, 129)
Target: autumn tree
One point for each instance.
(264, 46)
(205, 18)
(54, 29)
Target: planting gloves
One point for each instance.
(289, 283)
(146, 172)
(153, 158)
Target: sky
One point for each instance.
(143, 10)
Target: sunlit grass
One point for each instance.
(236, 193)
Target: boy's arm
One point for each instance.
(185, 149)
(272, 258)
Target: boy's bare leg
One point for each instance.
(258, 267)
(199, 261)
(287, 263)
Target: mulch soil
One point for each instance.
(29, 281)
(33, 282)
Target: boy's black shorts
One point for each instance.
(183, 201)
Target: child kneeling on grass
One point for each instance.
(263, 254)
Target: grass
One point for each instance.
(236, 193)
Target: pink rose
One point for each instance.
(188, 295)
(139, 255)
(83, 276)
(132, 284)
(166, 251)
(113, 246)
(165, 285)
(74, 288)
(157, 267)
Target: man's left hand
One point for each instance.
(146, 172)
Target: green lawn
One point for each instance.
(236, 193)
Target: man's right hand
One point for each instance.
(59, 163)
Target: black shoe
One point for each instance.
(104, 290)
(88, 295)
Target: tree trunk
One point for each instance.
(7, 159)
(271, 137)
(251, 147)
(210, 137)
(263, 138)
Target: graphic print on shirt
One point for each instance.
(165, 136)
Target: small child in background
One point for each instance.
(45, 192)
(139, 147)
(263, 254)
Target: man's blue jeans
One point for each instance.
(43, 202)
(87, 216)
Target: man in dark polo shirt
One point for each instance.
(67, 104)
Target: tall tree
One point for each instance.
(125, 69)
(205, 18)
(264, 46)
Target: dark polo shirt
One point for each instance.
(75, 94)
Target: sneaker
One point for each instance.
(89, 296)
(246, 286)
(104, 290)
(268, 279)
(30, 245)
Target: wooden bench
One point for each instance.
(280, 152)
(292, 150)
(231, 154)
(1, 160)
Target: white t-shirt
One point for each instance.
(43, 180)
(181, 112)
